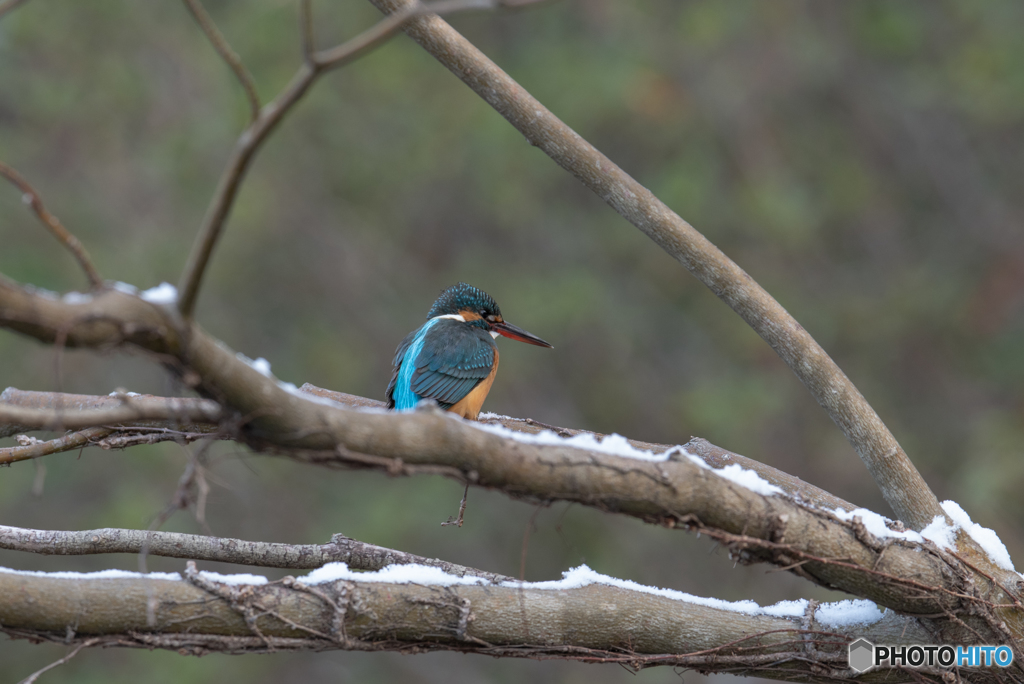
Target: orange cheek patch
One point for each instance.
(470, 315)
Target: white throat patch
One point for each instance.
(457, 317)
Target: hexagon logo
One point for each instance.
(862, 655)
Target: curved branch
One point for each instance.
(341, 549)
(675, 492)
(223, 48)
(901, 484)
(32, 198)
(591, 623)
(149, 432)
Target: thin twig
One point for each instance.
(341, 549)
(223, 48)
(306, 29)
(85, 644)
(34, 449)
(32, 198)
(462, 509)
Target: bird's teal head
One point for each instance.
(463, 299)
(477, 308)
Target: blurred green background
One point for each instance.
(861, 160)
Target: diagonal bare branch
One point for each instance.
(83, 644)
(901, 484)
(32, 198)
(223, 48)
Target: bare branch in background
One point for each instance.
(341, 549)
(223, 48)
(314, 65)
(151, 408)
(34, 448)
(82, 644)
(901, 484)
(306, 29)
(32, 198)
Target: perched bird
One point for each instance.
(452, 358)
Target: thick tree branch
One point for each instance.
(676, 492)
(223, 48)
(592, 623)
(341, 549)
(901, 484)
(32, 198)
(148, 432)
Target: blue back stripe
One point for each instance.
(403, 395)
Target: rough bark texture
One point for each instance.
(595, 622)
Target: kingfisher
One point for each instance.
(452, 358)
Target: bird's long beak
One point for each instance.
(515, 333)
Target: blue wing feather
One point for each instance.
(443, 360)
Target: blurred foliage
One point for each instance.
(861, 160)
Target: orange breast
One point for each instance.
(469, 406)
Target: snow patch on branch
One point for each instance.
(164, 293)
(233, 580)
(584, 576)
(848, 613)
(613, 444)
(878, 525)
(617, 445)
(986, 538)
(938, 531)
(41, 292)
(262, 366)
(839, 614)
(76, 298)
(737, 474)
(411, 573)
(102, 574)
